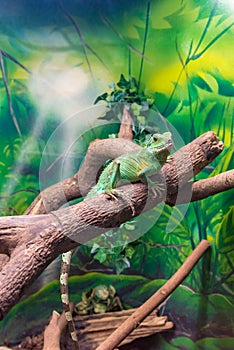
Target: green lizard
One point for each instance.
(133, 166)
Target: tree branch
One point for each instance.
(125, 131)
(189, 160)
(155, 300)
(32, 242)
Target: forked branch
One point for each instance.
(33, 241)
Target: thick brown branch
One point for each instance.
(187, 162)
(43, 237)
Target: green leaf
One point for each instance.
(102, 97)
(136, 108)
(95, 248)
(225, 237)
(100, 255)
(201, 83)
(222, 343)
(183, 343)
(129, 225)
(119, 96)
(129, 251)
(101, 292)
(225, 87)
(215, 112)
(141, 119)
(122, 264)
(123, 83)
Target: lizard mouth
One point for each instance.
(168, 146)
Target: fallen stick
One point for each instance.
(157, 298)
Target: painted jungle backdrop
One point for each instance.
(61, 64)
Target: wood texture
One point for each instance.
(93, 330)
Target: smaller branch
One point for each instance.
(52, 333)
(202, 189)
(141, 313)
(213, 185)
(125, 130)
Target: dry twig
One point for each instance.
(156, 299)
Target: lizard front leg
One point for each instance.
(112, 179)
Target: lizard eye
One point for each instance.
(155, 138)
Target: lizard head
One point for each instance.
(160, 144)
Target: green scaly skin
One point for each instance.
(132, 167)
(135, 166)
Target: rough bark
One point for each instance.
(32, 242)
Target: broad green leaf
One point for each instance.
(201, 83)
(100, 255)
(183, 343)
(186, 343)
(122, 264)
(214, 113)
(123, 83)
(101, 97)
(225, 86)
(224, 343)
(225, 236)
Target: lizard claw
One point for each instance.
(111, 195)
(128, 200)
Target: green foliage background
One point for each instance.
(55, 59)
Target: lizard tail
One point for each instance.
(65, 268)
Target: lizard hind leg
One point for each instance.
(157, 188)
(65, 268)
